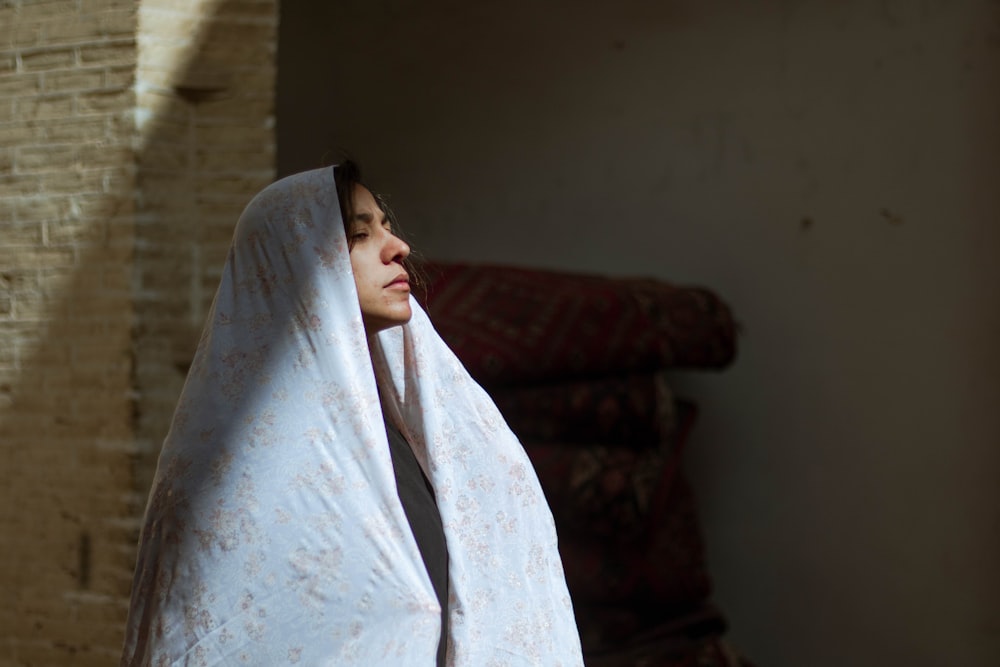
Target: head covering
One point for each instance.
(274, 534)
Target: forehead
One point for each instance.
(364, 200)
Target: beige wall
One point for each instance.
(131, 136)
(830, 168)
(206, 77)
(65, 430)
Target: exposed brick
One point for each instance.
(39, 209)
(119, 181)
(71, 28)
(61, 256)
(71, 167)
(74, 79)
(119, 77)
(30, 158)
(65, 179)
(20, 84)
(48, 59)
(165, 155)
(59, 232)
(26, 34)
(21, 235)
(44, 9)
(21, 184)
(118, 22)
(64, 330)
(6, 109)
(18, 281)
(104, 207)
(7, 154)
(102, 101)
(8, 19)
(90, 6)
(77, 130)
(105, 156)
(121, 52)
(44, 107)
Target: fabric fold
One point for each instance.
(273, 533)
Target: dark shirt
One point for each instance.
(417, 497)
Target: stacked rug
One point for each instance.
(578, 365)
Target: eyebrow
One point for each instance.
(367, 218)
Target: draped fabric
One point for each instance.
(274, 534)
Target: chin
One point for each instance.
(376, 323)
(403, 316)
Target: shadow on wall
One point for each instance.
(208, 148)
(122, 278)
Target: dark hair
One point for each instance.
(347, 175)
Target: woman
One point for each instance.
(285, 525)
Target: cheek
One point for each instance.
(358, 269)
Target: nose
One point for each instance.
(395, 249)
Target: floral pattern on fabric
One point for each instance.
(274, 534)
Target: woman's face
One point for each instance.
(377, 261)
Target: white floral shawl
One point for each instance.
(274, 534)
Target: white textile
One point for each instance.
(274, 534)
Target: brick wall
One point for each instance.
(206, 105)
(131, 136)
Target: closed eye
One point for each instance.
(359, 232)
(362, 227)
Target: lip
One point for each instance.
(402, 280)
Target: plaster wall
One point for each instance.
(830, 168)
